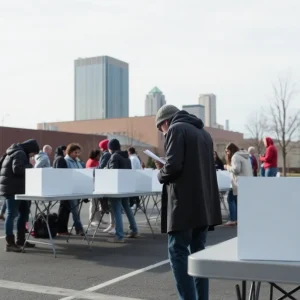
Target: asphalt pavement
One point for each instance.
(137, 269)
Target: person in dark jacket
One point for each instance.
(193, 196)
(64, 206)
(120, 160)
(218, 162)
(59, 159)
(12, 182)
(103, 145)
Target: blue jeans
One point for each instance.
(15, 208)
(181, 244)
(232, 204)
(262, 171)
(74, 205)
(117, 209)
(271, 172)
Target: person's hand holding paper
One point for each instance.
(158, 164)
(155, 157)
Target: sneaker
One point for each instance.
(132, 235)
(63, 233)
(109, 228)
(94, 224)
(230, 223)
(80, 232)
(112, 232)
(115, 240)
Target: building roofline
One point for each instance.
(193, 105)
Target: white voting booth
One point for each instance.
(126, 181)
(114, 181)
(268, 218)
(147, 180)
(51, 182)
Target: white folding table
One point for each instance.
(221, 262)
(48, 201)
(144, 197)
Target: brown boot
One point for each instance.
(11, 245)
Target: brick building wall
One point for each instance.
(9, 136)
(139, 128)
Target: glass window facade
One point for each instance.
(101, 88)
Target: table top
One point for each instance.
(83, 196)
(221, 262)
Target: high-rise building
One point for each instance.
(227, 125)
(101, 88)
(195, 109)
(154, 101)
(209, 102)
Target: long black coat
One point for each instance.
(190, 175)
(16, 161)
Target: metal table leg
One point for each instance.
(84, 232)
(145, 202)
(46, 220)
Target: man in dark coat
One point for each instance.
(193, 196)
(64, 206)
(120, 160)
(12, 182)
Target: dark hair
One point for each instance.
(94, 153)
(72, 147)
(59, 151)
(233, 149)
(218, 159)
(131, 150)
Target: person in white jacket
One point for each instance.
(135, 165)
(238, 164)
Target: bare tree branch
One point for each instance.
(257, 128)
(284, 123)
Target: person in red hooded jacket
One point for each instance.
(270, 158)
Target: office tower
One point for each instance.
(154, 101)
(227, 125)
(196, 109)
(101, 88)
(209, 102)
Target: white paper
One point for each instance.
(155, 157)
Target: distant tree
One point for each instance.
(284, 121)
(257, 129)
(151, 163)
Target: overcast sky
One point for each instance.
(232, 48)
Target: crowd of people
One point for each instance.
(190, 197)
(239, 162)
(21, 156)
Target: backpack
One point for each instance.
(40, 226)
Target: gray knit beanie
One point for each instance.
(166, 112)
